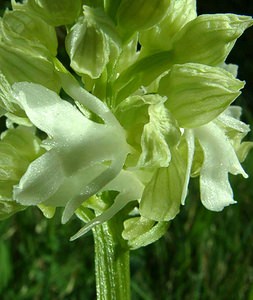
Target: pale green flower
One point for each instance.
(151, 108)
(82, 155)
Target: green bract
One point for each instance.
(139, 231)
(136, 104)
(18, 148)
(21, 27)
(7, 99)
(25, 64)
(167, 188)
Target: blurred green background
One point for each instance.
(204, 255)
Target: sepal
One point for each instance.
(136, 15)
(160, 37)
(140, 232)
(235, 131)
(92, 42)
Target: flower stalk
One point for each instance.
(111, 263)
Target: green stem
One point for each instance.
(111, 263)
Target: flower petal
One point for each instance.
(41, 180)
(127, 194)
(219, 159)
(48, 111)
(158, 136)
(190, 153)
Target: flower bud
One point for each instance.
(198, 93)
(160, 36)
(208, 39)
(136, 15)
